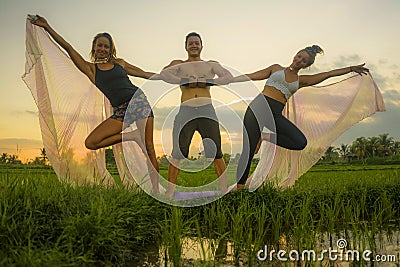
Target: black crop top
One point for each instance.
(115, 84)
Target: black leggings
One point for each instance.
(258, 116)
(202, 119)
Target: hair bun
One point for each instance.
(316, 49)
(312, 51)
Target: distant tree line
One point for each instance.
(9, 159)
(6, 158)
(381, 146)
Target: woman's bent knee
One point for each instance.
(301, 144)
(89, 144)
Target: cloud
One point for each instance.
(392, 98)
(389, 85)
(382, 61)
(396, 78)
(386, 80)
(30, 112)
(22, 143)
(379, 123)
(20, 113)
(346, 60)
(383, 82)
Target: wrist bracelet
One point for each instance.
(351, 69)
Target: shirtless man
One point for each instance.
(196, 112)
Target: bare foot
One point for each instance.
(248, 181)
(170, 192)
(135, 137)
(264, 137)
(240, 187)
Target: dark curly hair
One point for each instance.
(312, 51)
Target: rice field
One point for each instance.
(45, 222)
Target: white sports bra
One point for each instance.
(278, 81)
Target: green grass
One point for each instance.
(45, 222)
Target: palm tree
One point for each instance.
(331, 153)
(372, 145)
(43, 155)
(396, 147)
(359, 146)
(344, 150)
(12, 159)
(3, 158)
(385, 144)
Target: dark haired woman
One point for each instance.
(281, 84)
(110, 75)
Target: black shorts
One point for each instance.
(202, 119)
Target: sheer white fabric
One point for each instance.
(322, 113)
(69, 106)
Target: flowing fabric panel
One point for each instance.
(69, 106)
(136, 166)
(322, 113)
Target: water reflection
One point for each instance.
(211, 252)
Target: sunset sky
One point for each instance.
(244, 36)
